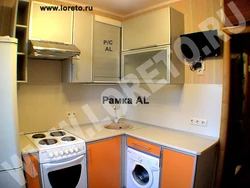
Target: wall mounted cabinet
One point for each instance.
(50, 25)
(106, 53)
(79, 70)
(21, 33)
(99, 43)
(148, 54)
(156, 28)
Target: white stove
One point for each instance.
(57, 145)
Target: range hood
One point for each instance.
(42, 49)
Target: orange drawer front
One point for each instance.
(143, 146)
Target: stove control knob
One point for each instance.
(51, 155)
(66, 152)
(56, 154)
(76, 150)
(61, 153)
(71, 150)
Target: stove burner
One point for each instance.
(38, 136)
(57, 133)
(50, 141)
(68, 138)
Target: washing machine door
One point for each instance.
(141, 175)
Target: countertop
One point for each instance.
(186, 142)
(178, 140)
(26, 145)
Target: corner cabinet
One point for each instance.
(50, 25)
(31, 169)
(104, 163)
(148, 54)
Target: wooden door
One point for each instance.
(177, 169)
(31, 168)
(104, 166)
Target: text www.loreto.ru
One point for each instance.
(66, 8)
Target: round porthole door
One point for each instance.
(141, 175)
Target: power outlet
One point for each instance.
(200, 72)
(71, 114)
(198, 122)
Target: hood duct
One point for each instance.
(41, 49)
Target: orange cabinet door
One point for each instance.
(177, 169)
(31, 168)
(104, 166)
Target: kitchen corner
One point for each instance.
(109, 96)
(178, 140)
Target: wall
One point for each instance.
(44, 101)
(173, 105)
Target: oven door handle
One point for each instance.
(64, 164)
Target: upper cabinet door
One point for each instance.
(83, 38)
(50, 25)
(146, 30)
(106, 53)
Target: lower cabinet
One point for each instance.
(181, 170)
(31, 171)
(177, 169)
(104, 163)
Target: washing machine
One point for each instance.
(142, 170)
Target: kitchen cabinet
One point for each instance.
(156, 28)
(148, 53)
(31, 170)
(99, 43)
(104, 163)
(21, 33)
(79, 70)
(143, 146)
(188, 170)
(106, 52)
(50, 25)
(177, 169)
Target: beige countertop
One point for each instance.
(178, 140)
(90, 132)
(26, 145)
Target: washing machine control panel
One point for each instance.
(143, 158)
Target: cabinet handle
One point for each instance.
(141, 146)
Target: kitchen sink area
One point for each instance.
(118, 126)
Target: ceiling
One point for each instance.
(122, 8)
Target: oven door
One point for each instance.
(69, 173)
